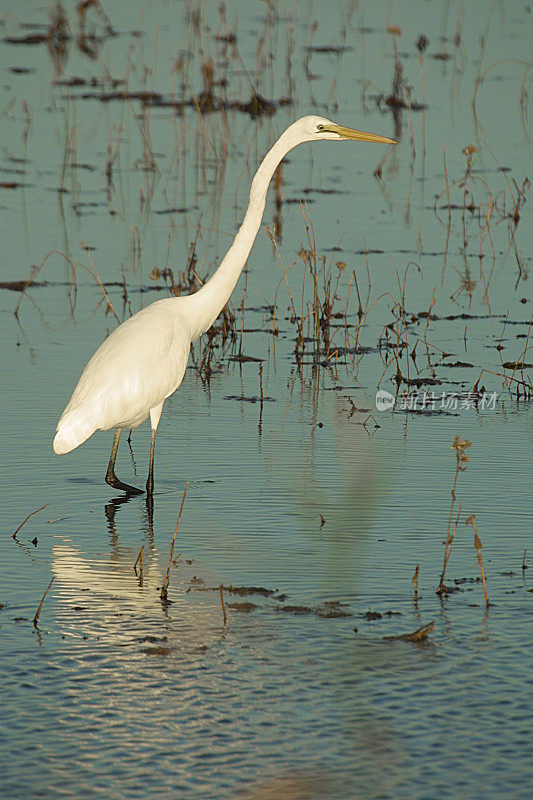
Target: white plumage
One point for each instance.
(143, 361)
(133, 371)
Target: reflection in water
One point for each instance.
(330, 483)
(106, 585)
(125, 698)
(293, 787)
(97, 590)
(183, 684)
(147, 525)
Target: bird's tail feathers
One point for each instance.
(72, 430)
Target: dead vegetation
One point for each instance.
(461, 460)
(331, 305)
(325, 302)
(164, 587)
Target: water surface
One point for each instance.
(314, 497)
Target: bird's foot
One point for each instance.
(113, 481)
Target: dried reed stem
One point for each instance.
(96, 276)
(36, 617)
(14, 535)
(222, 602)
(459, 445)
(165, 582)
(505, 382)
(139, 561)
(449, 225)
(415, 580)
(273, 240)
(479, 547)
(448, 551)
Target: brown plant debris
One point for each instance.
(14, 535)
(164, 588)
(479, 547)
(420, 635)
(244, 608)
(37, 613)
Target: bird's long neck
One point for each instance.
(208, 302)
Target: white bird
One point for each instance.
(143, 361)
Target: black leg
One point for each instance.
(110, 477)
(150, 481)
(150, 509)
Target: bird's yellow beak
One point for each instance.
(360, 136)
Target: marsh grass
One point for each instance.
(461, 460)
(213, 82)
(523, 386)
(485, 210)
(164, 587)
(479, 547)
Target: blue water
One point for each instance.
(314, 495)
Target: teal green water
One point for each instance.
(301, 696)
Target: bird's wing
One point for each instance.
(139, 365)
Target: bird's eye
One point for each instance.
(320, 127)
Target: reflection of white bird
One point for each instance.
(143, 361)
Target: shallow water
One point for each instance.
(313, 496)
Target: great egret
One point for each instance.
(143, 361)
